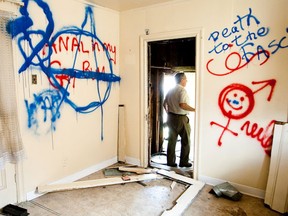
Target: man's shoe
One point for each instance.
(185, 165)
(172, 165)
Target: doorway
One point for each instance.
(165, 59)
(145, 63)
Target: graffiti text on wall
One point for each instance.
(247, 41)
(43, 49)
(236, 101)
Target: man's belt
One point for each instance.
(170, 113)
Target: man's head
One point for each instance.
(181, 79)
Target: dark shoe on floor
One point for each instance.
(185, 165)
(172, 165)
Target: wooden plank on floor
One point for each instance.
(173, 175)
(187, 197)
(137, 170)
(182, 202)
(95, 183)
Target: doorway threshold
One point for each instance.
(188, 172)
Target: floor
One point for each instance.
(160, 157)
(151, 198)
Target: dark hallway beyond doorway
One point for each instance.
(166, 58)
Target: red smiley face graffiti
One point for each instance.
(236, 101)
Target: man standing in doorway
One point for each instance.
(176, 105)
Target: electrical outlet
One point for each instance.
(34, 79)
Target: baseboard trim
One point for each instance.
(242, 188)
(133, 161)
(76, 176)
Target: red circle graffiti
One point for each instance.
(239, 61)
(236, 112)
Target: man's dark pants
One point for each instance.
(178, 125)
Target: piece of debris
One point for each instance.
(14, 210)
(173, 185)
(126, 178)
(95, 183)
(183, 201)
(137, 170)
(227, 191)
(179, 178)
(115, 172)
(186, 198)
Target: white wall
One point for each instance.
(240, 159)
(70, 145)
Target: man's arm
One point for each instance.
(185, 106)
(165, 106)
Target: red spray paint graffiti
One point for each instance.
(264, 136)
(241, 63)
(234, 49)
(72, 44)
(236, 101)
(84, 49)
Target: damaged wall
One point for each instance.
(242, 81)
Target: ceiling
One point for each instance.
(122, 5)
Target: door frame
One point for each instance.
(144, 40)
(12, 7)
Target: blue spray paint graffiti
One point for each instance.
(245, 37)
(51, 100)
(46, 105)
(235, 35)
